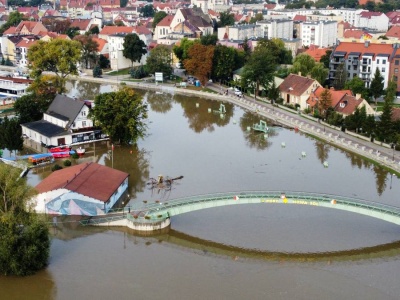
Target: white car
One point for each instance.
(237, 92)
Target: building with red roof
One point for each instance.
(296, 89)
(393, 33)
(373, 20)
(362, 60)
(88, 189)
(316, 52)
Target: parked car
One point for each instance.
(238, 92)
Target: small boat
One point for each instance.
(41, 159)
(60, 149)
(80, 151)
(61, 154)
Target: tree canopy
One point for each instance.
(376, 87)
(199, 63)
(13, 20)
(158, 16)
(59, 56)
(260, 68)
(134, 47)
(159, 60)
(121, 115)
(24, 242)
(89, 49)
(226, 19)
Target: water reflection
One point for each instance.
(196, 110)
(160, 103)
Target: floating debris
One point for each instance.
(303, 154)
(326, 164)
(283, 144)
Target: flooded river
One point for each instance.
(258, 251)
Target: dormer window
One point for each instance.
(84, 113)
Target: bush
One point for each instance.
(67, 163)
(75, 156)
(56, 167)
(138, 72)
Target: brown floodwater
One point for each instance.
(233, 252)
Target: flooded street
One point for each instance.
(258, 251)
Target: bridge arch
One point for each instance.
(161, 212)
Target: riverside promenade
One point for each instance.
(379, 152)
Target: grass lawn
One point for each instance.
(120, 72)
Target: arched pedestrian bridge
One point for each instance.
(154, 216)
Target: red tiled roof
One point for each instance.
(336, 96)
(360, 47)
(107, 30)
(300, 18)
(295, 84)
(348, 105)
(82, 24)
(353, 33)
(370, 14)
(316, 52)
(363, 2)
(393, 32)
(100, 42)
(89, 179)
(166, 21)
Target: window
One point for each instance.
(83, 123)
(395, 78)
(396, 70)
(396, 62)
(383, 70)
(83, 113)
(384, 61)
(377, 61)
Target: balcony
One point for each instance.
(364, 63)
(354, 62)
(337, 60)
(17, 51)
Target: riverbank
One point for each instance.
(375, 151)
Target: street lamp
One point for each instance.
(393, 147)
(123, 208)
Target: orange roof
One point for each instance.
(26, 43)
(82, 24)
(101, 42)
(316, 52)
(353, 33)
(336, 96)
(394, 32)
(89, 179)
(107, 30)
(363, 2)
(362, 48)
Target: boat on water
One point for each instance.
(63, 154)
(41, 159)
(60, 149)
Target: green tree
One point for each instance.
(89, 49)
(319, 73)
(385, 130)
(209, 39)
(182, 51)
(121, 115)
(357, 86)
(303, 63)
(226, 19)
(158, 16)
(24, 242)
(376, 87)
(72, 32)
(104, 62)
(94, 30)
(159, 60)
(13, 20)
(257, 17)
(224, 62)
(11, 134)
(134, 47)
(97, 71)
(273, 92)
(325, 59)
(147, 11)
(340, 77)
(30, 108)
(59, 56)
(259, 69)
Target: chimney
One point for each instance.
(358, 96)
(366, 44)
